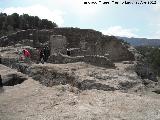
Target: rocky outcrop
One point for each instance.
(114, 49)
(51, 77)
(100, 61)
(37, 37)
(142, 67)
(84, 76)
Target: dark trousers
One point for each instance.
(68, 53)
(1, 84)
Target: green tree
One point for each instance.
(16, 20)
(152, 57)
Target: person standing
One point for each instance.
(46, 53)
(0, 59)
(41, 56)
(1, 84)
(68, 52)
(27, 55)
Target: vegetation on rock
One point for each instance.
(152, 57)
(14, 22)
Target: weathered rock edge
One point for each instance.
(51, 77)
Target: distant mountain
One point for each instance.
(141, 41)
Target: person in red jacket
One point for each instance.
(27, 55)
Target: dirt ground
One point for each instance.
(33, 101)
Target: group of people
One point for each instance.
(43, 54)
(25, 56)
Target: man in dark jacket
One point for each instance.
(1, 84)
(46, 53)
(68, 52)
(0, 59)
(41, 54)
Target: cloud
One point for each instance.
(119, 31)
(78, 8)
(55, 10)
(40, 11)
(156, 35)
(156, 7)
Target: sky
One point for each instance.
(126, 20)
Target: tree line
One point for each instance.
(152, 57)
(14, 22)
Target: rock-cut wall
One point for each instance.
(38, 36)
(91, 42)
(81, 41)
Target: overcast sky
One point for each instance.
(132, 20)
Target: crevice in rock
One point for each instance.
(88, 85)
(127, 85)
(157, 91)
(13, 79)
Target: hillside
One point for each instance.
(141, 41)
(102, 77)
